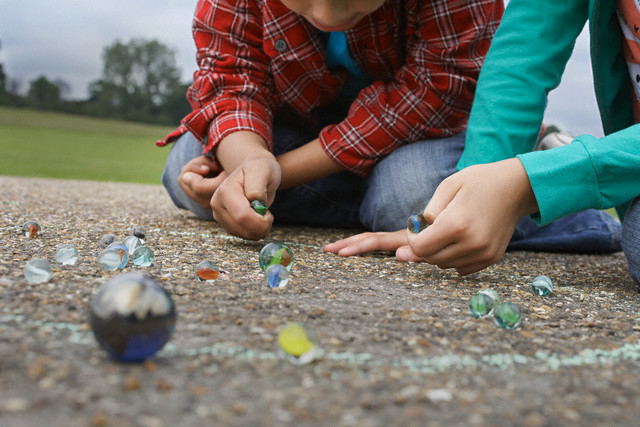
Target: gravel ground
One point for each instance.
(400, 347)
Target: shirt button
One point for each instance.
(280, 45)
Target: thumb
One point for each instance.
(405, 254)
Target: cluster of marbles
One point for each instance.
(260, 207)
(31, 230)
(116, 254)
(486, 303)
(38, 270)
(132, 317)
(276, 261)
(416, 223)
(298, 344)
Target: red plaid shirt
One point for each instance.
(255, 56)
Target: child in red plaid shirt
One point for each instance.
(353, 111)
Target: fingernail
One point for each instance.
(187, 178)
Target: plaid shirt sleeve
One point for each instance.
(231, 87)
(430, 96)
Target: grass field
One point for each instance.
(52, 145)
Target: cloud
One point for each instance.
(65, 39)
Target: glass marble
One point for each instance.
(481, 305)
(132, 317)
(507, 315)
(139, 232)
(31, 229)
(260, 207)
(207, 271)
(109, 260)
(37, 270)
(492, 294)
(298, 344)
(122, 250)
(67, 255)
(416, 223)
(276, 276)
(142, 257)
(108, 239)
(276, 253)
(542, 285)
(132, 243)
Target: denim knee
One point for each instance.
(403, 182)
(631, 239)
(185, 149)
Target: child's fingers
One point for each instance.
(334, 247)
(232, 210)
(367, 242)
(444, 194)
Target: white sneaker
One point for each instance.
(553, 139)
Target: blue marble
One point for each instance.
(276, 276)
(416, 223)
(132, 317)
(122, 250)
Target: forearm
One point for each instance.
(306, 164)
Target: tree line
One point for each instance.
(140, 82)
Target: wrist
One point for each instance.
(239, 147)
(527, 203)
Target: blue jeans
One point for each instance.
(631, 239)
(397, 186)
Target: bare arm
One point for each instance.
(306, 164)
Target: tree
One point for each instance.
(44, 94)
(138, 78)
(4, 95)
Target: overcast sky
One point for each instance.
(65, 39)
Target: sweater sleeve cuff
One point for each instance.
(563, 180)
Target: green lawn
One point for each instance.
(52, 145)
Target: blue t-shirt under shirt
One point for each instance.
(338, 55)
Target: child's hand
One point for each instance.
(368, 242)
(255, 178)
(474, 214)
(200, 178)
